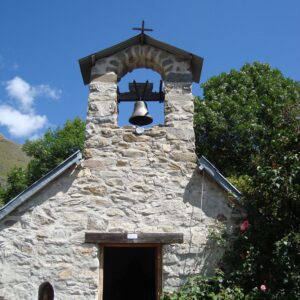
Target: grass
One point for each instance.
(11, 155)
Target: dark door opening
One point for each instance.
(129, 273)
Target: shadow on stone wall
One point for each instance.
(210, 206)
(200, 192)
(208, 258)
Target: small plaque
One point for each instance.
(139, 130)
(132, 236)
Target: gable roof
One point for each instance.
(39, 184)
(86, 63)
(205, 164)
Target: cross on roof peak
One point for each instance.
(142, 29)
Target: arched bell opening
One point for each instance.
(46, 291)
(126, 108)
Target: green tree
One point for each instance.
(53, 148)
(16, 183)
(245, 115)
(46, 153)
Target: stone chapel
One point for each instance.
(131, 216)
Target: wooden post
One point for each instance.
(158, 271)
(101, 272)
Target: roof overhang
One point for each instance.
(206, 165)
(86, 63)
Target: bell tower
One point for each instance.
(178, 69)
(144, 175)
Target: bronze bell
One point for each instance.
(140, 116)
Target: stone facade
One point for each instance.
(126, 183)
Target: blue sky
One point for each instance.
(41, 42)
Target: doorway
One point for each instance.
(131, 273)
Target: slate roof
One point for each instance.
(205, 164)
(86, 63)
(40, 184)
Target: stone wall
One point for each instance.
(127, 183)
(43, 241)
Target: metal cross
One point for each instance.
(142, 29)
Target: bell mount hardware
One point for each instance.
(142, 90)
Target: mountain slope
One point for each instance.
(11, 155)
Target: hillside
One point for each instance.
(11, 154)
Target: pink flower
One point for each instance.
(245, 225)
(263, 288)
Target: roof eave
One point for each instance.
(205, 164)
(86, 63)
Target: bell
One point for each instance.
(140, 116)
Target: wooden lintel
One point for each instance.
(133, 238)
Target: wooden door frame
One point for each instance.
(157, 258)
(138, 239)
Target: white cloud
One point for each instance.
(26, 94)
(20, 117)
(20, 90)
(46, 90)
(19, 124)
